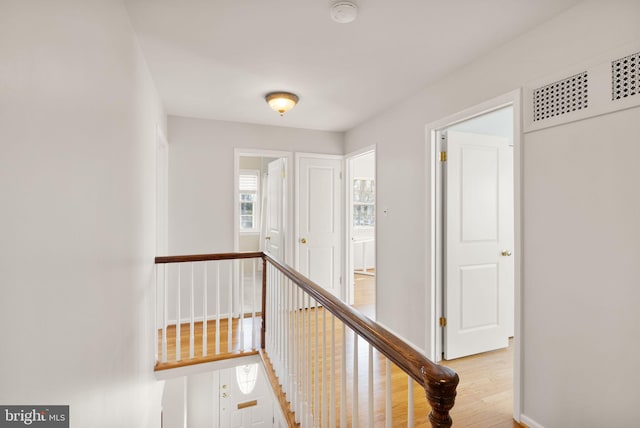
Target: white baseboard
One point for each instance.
(526, 420)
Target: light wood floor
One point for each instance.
(484, 394)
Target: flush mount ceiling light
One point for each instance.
(281, 102)
(344, 12)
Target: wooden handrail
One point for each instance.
(439, 382)
(209, 257)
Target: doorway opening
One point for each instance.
(361, 231)
(262, 213)
(475, 220)
(477, 232)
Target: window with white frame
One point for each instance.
(364, 202)
(248, 199)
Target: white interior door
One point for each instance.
(245, 397)
(319, 210)
(478, 244)
(274, 239)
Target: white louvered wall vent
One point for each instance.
(605, 84)
(561, 97)
(624, 76)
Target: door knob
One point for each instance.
(268, 238)
(506, 253)
(303, 241)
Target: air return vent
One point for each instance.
(624, 76)
(560, 97)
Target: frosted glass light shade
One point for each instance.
(281, 102)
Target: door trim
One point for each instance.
(433, 269)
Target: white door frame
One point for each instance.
(348, 192)
(296, 244)
(288, 229)
(434, 267)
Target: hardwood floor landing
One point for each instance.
(485, 392)
(484, 397)
(245, 340)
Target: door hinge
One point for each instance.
(443, 322)
(443, 156)
(340, 175)
(283, 174)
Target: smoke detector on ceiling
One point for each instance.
(344, 12)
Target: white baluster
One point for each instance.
(165, 309)
(297, 355)
(354, 400)
(316, 393)
(267, 315)
(370, 376)
(324, 381)
(410, 421)
(191, 321)
(332, 376)
(254, 329)
(290, 337)
(205, 337)
(388, 414)
(230, 310)
(309, 366)
(308, 396)
(218, 308)
(178, 353)
(285, 332)
(274, 320)
(282, 330)
(271, 313)
(156, 324)
(241, 319)
(274, 314)
(343, 383)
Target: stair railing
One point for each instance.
(334, 365)
(307, 340)
(207, 307)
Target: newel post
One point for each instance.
(441, 395)
(263, 327)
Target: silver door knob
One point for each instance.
(506, 253)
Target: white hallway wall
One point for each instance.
(78, 118)
(201, 157)
(574, 332)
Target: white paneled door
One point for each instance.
(319, 223)
(274, 239)
(245, 398)
(478, 290)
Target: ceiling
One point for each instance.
(217, 59)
